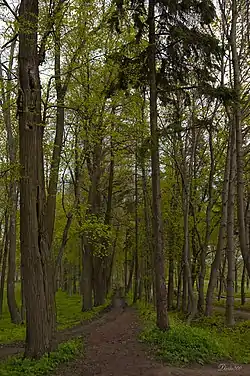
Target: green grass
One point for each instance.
(205, 341)
(68, 314)
(10, 332)
(16, 366)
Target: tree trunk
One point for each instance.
(35, 255)
(239, 141)
(242, 291)
(178, 303)
(236, 276)
(222, 278)
(171, 284)
(160, 283)
(12, 148)
(204, 249)
(62, 247)
(111, 263)
(187, 276)
(87, 269)
(149, 273)
(23, 308)
(221, 238)
(184, 303)
(4, 263)
(11, 299)
(136, 275)
(74, 278)
(126, 261)
(131, 271)
(230, 235)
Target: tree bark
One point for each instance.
(242, 291)
(11, 299)
(221, 238)
(12, 151)
(230, 236)
(239, 137)
(171, 283)
(136, 275)
(160, 283)
(87, 270)
(4, 263)
(208, 225)
(35, 255)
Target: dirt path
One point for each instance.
(14, 348)
(238, 312)
(112, 350)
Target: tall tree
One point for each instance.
(159, 266)
(35, 255)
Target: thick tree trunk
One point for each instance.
(35, 255)
(99, 281)
(160, 283)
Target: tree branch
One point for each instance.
(5, 3)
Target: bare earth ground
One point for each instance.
(111, 348)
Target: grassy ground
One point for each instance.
(16, 366)
(68, 314)
(206, 340)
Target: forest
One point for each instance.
(124, 186)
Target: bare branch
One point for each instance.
(5, 3)
(10, 41)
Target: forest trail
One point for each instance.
(112, 349)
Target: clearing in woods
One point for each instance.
(112, 349)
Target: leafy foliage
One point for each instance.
(207, 340)
(17, 366)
